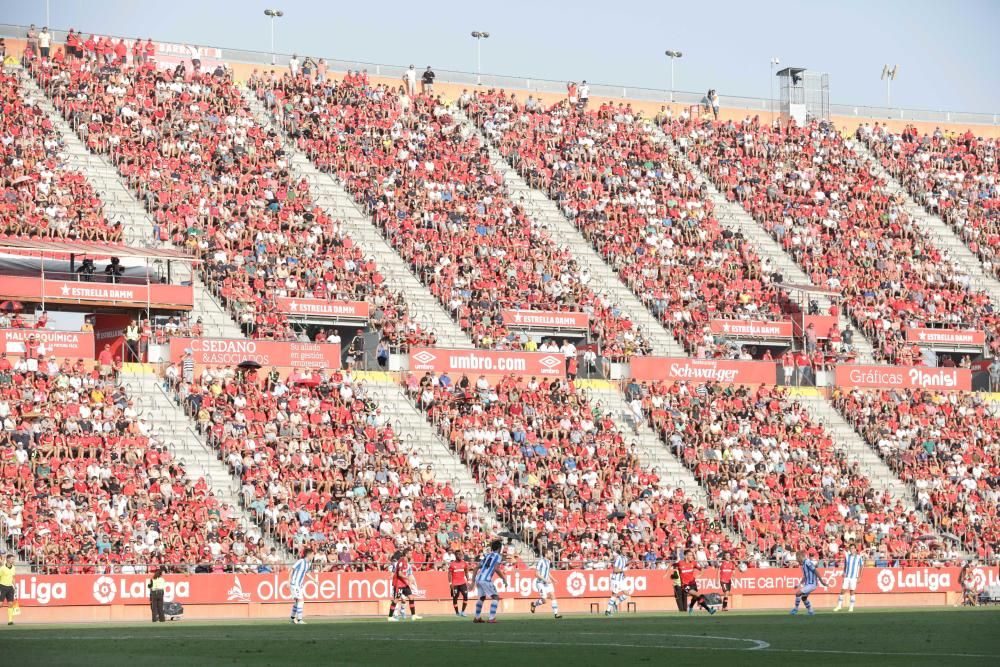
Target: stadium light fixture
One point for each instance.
(673, 55)
(479, 36)
(775, 61)
(889, 75)
(273, 14)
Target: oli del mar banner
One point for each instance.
(129, 589)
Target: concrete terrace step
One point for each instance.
(121, 204)
(547, 214)
(338, 203)
(942, 235)
(738, 219)
(390, 395)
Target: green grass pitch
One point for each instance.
(869, 637)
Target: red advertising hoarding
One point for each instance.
(751, 328)
(354, 310)
(58, 344)
(109, 329)
(486, 362)
(654, 369)
(545, 319)
(71, 291)
(851, 376)
(822, 324)
(270, 353)
(121, 589)
(923, 336)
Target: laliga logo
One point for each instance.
(576, 584)
(886, 581)
(105, 590)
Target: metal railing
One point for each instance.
(558, 87)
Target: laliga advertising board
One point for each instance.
(119, 589)
(268, 353)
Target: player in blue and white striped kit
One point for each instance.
(544, 585)
(854, 562)
(810, 581)
(619, 590)
(296, 581)
(489, 567)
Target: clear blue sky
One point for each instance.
(947, 51)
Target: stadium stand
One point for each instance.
(431, 190)
(40, 197)
(640, 210)
(812, 192)
(952, 175)
(944, 445)
(776, 476)
(87, 480)
(86, 486)
(259, 233)
(321, 466)
(558, 472)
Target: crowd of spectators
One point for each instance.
(560, 474)
(86, 484)
(321, 466)
(814, 193)
(640, 209)
(220, 185)
(775, 475)
(945, 446)
(40, 197)
(952, 175)
(429, 185)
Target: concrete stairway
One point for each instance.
(736, 218)
(654, 453)
(176, 430)
(422, 435)
(121, 205)
(546, 213)
(328, 193)
(939, 232)
(844, 435)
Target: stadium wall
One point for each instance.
(62, 598)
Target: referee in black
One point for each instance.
(679, 596)
(156, 591)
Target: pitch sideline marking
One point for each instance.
(768, 649)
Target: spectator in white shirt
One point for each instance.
(44, 41)
(410, 79)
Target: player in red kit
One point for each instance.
(689, 570)
(726, 569)
(458, 579)
(402, 586)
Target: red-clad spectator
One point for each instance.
(945, 446)
(555, 467)
(443, 207)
